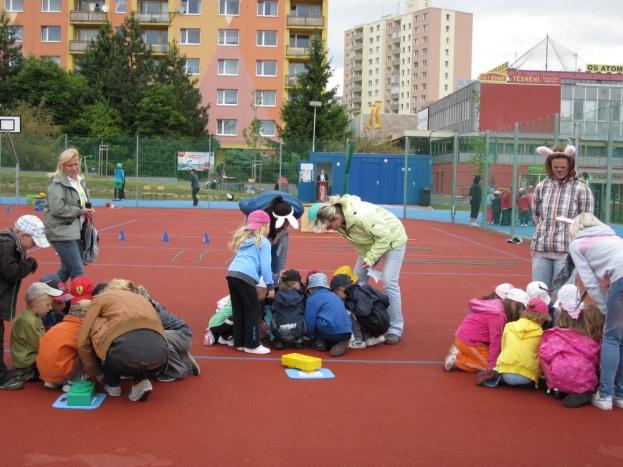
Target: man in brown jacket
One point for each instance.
(122, 336)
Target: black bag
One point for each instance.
(369, 306)
(563, 276)
(89, 240)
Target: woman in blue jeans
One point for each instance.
(65, 213)
(597, 253)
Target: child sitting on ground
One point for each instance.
(340, 284)
(328, 324)
(58, 362)
(288, 311)
(569, 352)
(518, 362)
(538, 289)
(477, 340)
(221, 326)
(28, 328)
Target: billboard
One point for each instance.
(200, 161)
(422, 119)
(599, 68)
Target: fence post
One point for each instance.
(280, 162)
(576, 131)
(455, 158)
(136, 170)
(556, 128)
(485, 175)
(210, 169)
(514, 183)
(65, 140)
(405, 177)
(607, 204)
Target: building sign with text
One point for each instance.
(499, 74)
(598, 68)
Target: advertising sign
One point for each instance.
(532, 77)
(422, 119)
(200, 161)
(598, 68)
(499, 74)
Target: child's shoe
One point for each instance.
(320, 344)
(277, 344)
(450, 360)
(194, 366)
(572, 401)
(141, 391)
(372, 341)
(25, 374)
(164, 378)
(223, 341)
(112, 391)
(352, 344)
(488, 378)
(259, 350)
(208, 338)
(339, 349)
(617, 401)
(49, 385)
(602, 402)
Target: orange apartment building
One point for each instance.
(244, 53)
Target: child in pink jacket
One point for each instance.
(569, 352)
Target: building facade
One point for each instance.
(244, 53)
(402, 63)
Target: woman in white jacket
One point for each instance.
(598, 256)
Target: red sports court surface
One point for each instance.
(388, 405)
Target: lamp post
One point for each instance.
(315, 105)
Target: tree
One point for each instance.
(98, 119)
(157, 113)
(10, 55)
(296, 113)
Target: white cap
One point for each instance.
(518, 295)
(502, 289)
(538, 289)
(569, 300)
(37, 289)
(32, 225)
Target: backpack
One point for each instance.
(89, 240)
(288, 315)
(369, 306)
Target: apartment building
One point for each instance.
(402, 63)
(244, 53)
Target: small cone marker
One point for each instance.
(206, 239)
(165, 237)
(8, 209)
(121, 235)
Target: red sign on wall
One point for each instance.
(532, 77)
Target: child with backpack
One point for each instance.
(252, 259)
(288, 312)
(478, 339)
(569, 352)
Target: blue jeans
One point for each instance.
(612, 344)
(278, 253)
(71, 259)
(512, 379)
(545, 269)
(392, 262)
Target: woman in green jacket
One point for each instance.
(68, 208)
(376, 234)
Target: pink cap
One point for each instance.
(536, 305)
(256, 219)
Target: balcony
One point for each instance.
(291, 80)
(358, 36)
(358, 57)
(78, 46)
(154, 19)
(87, 17)
(396, 62)
(297, 52)
(356, 88)
(158, 49)
(316, 22)
(356, 98)
(357, 67)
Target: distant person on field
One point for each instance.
(28, 328)
(194, 185)
(119, 182)
(475, 198)
(15, 264)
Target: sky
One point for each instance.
(503, 30)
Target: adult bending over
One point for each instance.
(597, 253)
(560, 194)
(376, 234)
(66, 212)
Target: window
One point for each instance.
(447, 28)
(267, 8)
(266, 98)
(226, 127)
(121, 6)
(447, 17)
(53, 58)
(300, 41)
(228, 67)
(51, 6)
(14, 5)
(190, 7)
(267, 38)
(306, 10)
(228, 37)
(191, 66)
(266, 68)
(190, 36)
(229, 7)
(87, 34)
(268, 128)
(17, 33)
(50, 33)
(227, 97)
(153, 7)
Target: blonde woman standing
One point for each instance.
(68, 208)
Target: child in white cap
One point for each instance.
(15, 265)
(28, 328)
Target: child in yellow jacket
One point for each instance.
(518, 362)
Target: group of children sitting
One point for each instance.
(518, 337)
(334, 316)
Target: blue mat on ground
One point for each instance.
(61, 402)
(321, 373)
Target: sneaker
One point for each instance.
(223, 341)
(320, 344)
(572, 401)
(196, 369)
(448, 363)
(617, 401)
(298, 344)
(339, 349)
(487, 378)
(11, 384)
(391, 338)
(356, 345)
(240, 348)
(67, 386)
(603, 403)
(140, 391)
(208, 338)
(372, 341)
(164, 378)
(25, 374)
(259, 350)
(555, 393)
(112, 391)
(49, 385)
(277, 344)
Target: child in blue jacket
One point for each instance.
(328, 323)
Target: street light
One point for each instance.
(315, 105)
